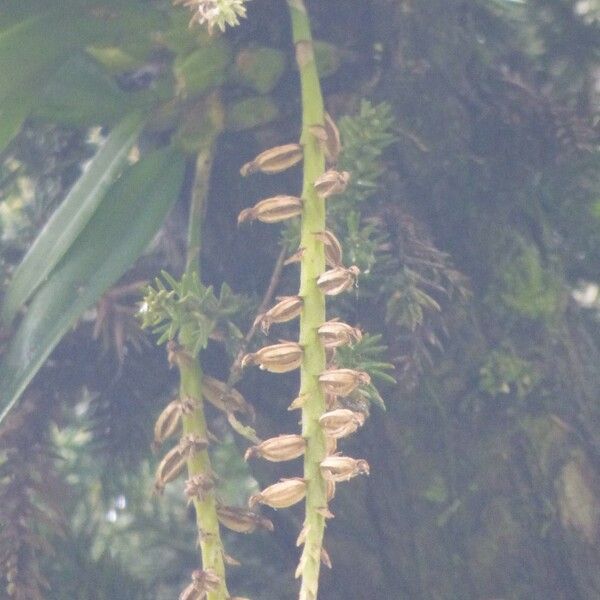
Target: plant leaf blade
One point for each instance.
(116, 235)
(69, 219)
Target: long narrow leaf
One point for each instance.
(71, 216)
(115, 236)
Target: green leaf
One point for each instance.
(327, 57)
(71, 216)
(259, 68)
(82, 94)
(12, 115)
(116, 235)
(250, 112)
(31, 49)
(203, 69)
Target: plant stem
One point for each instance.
(313, 315)
(204, 160)
(211, 546)
(190, 373)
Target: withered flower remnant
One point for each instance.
(198, 486)
(203, 582)
(192, 443)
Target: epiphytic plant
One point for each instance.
(322, 274)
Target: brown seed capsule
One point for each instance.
(169, 468)
(341, 382)
(224, 398)
(274, 160)
(278, 449)
(341, 422)
(278, 358)
(328, 137)
(283, 494)
(338, 280)
(333, 248)
(343, 468)
(288, 308)
(272, 210)
(331, 183)
(168, 422)
(335, 333)
(241, 520)
(199, 486)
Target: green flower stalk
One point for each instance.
(186, 316)
(320, 383)
(312, 266)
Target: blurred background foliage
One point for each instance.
(472, 132)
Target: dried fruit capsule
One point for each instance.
(241, 520)
(283, 494)
(223, 397)
(278, 358)
(169, 468)
(278, 449)
(272, 210)
(338, 280)
(288, 308)
(331, 182)
(343, 468)
(168, 422)
(333, 248)
(335, 333)
(341, 382)
(328, 137)
(274, 160)
(340, 422)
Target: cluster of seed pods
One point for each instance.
(334, 420)
(205, 582)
